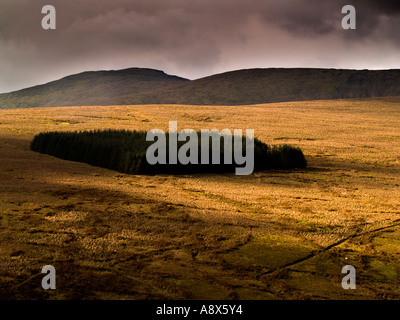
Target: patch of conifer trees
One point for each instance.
(125, 151)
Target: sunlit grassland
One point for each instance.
(270, 235)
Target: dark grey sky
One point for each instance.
(192, 38)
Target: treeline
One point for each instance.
(125, 151)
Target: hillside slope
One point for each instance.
(256, 86)
(92, 88)
(250, 86)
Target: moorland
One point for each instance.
(275, 234)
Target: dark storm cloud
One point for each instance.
(379, 17)
(389, 7)
(189, 38)
(119, 33)
(316, 17)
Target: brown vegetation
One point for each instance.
(271, 235)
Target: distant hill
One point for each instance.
(94, 88)
(250, 86)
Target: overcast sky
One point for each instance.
(192, 38)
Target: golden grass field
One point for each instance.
(270, 235)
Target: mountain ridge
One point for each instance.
(237, 87)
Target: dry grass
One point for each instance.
(271, 235)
